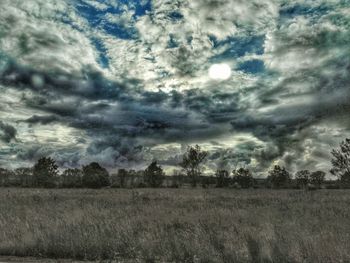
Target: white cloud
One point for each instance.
(97, 5)
(33, 33)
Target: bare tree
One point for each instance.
(191, 162)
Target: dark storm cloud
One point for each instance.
(121, 114)
(33, 152)
(312, 62)
(146, 113)
(112, 85)
(149, 114)
(218, 106)
(93, 86)
(65, 157)
(229, 158)
(282, 126)
(7, 132)
(35, 119)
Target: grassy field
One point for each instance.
(176, 225)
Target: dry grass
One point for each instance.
(177, 225)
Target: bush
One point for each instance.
(154, 175)
(95, 176)
(279, 177)
(317, 178)
(222, 178)
(72, 178)
(45, 172)
(122, 177)
(302, 178)
(25, 176)
(206, 181)
(5, 177)
(243, 177)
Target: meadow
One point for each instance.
(176, 225)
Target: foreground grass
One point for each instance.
(177, 225)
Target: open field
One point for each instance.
(176, 225)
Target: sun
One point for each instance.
(220, 71)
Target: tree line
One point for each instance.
(45, 173)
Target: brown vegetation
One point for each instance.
(176, 225)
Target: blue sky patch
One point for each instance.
(254, 66)
(103, 59)
(95, 17)
(289, 12)
(142, 9)
(119, 31)
(238, 47)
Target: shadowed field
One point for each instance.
(176, 225)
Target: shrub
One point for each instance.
(4, 177)
(25, 176)
(45, 172)
(72, 178)
(154, 175)
(302, 178)
(95, 176)
(222, 178)
(243, 177)
(317, 178)
(279, 177)
(122, 176)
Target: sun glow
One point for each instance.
(220, 71)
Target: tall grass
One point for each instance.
(177, 225)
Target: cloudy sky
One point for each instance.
(121, 82)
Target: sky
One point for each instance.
(255, 83)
